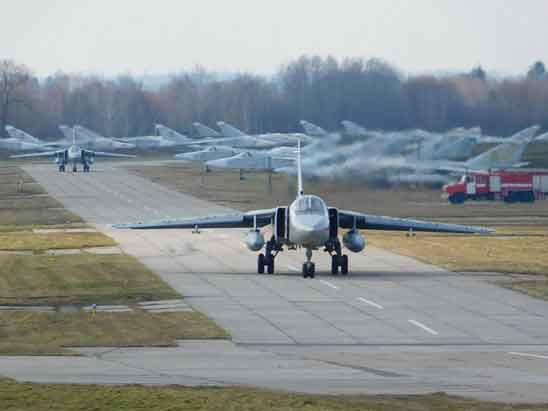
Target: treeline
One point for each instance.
(322, 90)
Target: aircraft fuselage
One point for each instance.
(308, 222)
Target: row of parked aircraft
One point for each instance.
(354, 151)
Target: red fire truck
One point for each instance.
(511, 186)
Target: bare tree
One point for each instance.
(13, 81)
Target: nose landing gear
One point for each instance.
(309, 268)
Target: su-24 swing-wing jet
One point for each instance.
(205, 131)
(506, 155)
(172, 135)
(16, 144)
(91, 140)
(279, 139)
(306, 223)
(73, 155)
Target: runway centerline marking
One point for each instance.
(371, 303)
(329, 284)
(524, 354)
(424, 327)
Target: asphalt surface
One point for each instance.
(394, 325)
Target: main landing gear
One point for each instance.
(62, 168)
(266, 260)
(338, 259)
(86, 168)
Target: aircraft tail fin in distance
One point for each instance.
(312, 129)
(205, 131)
(352, 128)
(21, 135)
(169, 133)
(300, 187)
(66, 131)
(229, 130)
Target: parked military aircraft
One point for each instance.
(205, 131)
(306, 223)
(73, 155)
(278, 139)
(15, 144)
(27, 138)
(170, 134)
(208, 154)
(256, 161)
(91, 140)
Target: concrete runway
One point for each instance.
(394, 325)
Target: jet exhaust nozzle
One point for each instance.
(254, 241)
(354, 241)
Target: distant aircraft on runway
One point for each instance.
(308, 223)
(73, 155)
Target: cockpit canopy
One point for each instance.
(310, 205)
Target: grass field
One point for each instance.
(78, 279)
(24, 203)
(37, 242)
(40, 397)
(33, 333)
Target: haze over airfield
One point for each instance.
(167, 35)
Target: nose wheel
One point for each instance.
(309, 268)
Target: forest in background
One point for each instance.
(323, 90)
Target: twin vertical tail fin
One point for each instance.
(299, 171)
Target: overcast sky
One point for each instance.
(162, 36)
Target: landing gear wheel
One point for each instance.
(74, 169)
(260, 264)
(334, 264)
(309, 270)
(61, 169)
(344, 264)
(270, 265)
(86, 169)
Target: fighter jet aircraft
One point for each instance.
(278, 139)
(15, 144)
(73, 155)
(27, 138)
(91, 140)
(170, 134)
(306, 223)
(255, 161)
(205, 131)
(208, 154)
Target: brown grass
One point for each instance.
(40, 397)
(525, 252)
(32, 333)
(78, 279)
(21, 240)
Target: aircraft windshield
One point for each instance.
(309, 205)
